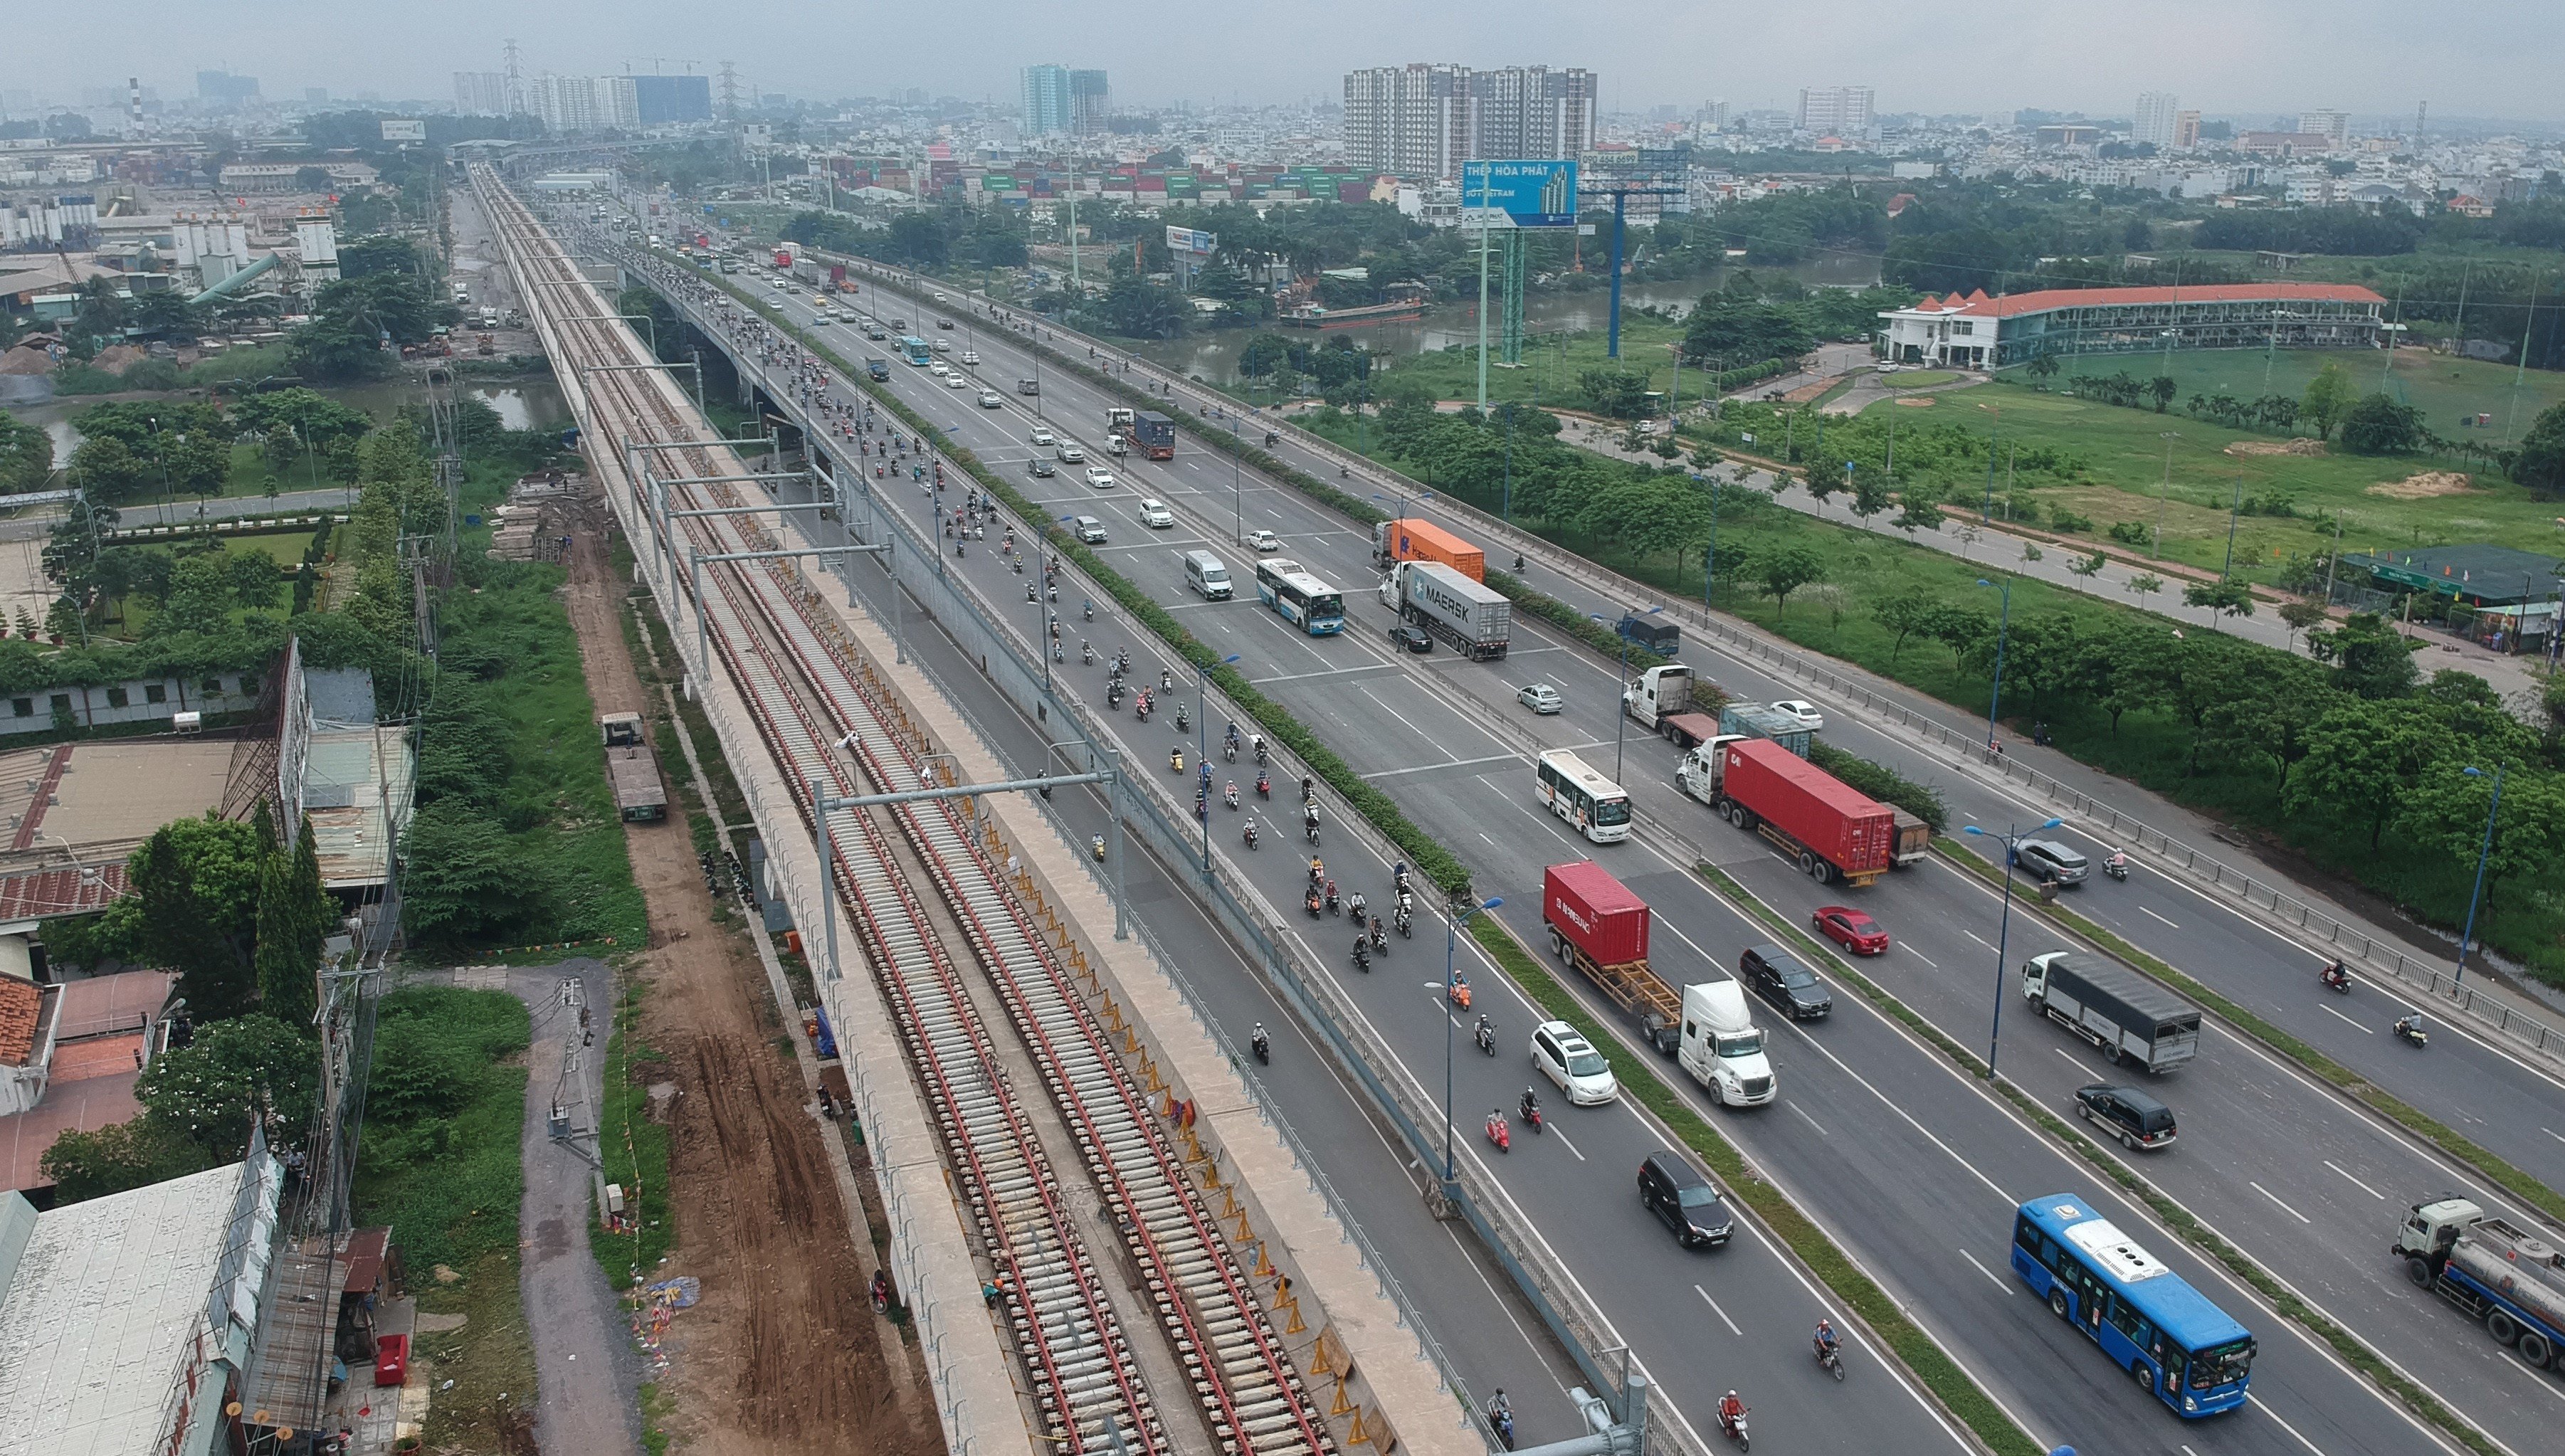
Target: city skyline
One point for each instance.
(2366, 57)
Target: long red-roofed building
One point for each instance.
(1979, 332)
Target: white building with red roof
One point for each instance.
(1986, 333)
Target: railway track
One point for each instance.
(824, 723)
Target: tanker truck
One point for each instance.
(2507, 1279)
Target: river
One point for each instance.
(1213, 356)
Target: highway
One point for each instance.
(1955, 1154)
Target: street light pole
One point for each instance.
(2484, 852)
(1202, 753)
(2003, 628)
(1620, 708)
(2163, 490)
(2003, 929)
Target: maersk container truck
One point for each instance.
(1471, 617)
(2116, 1009)
(2506, 1278)
(1834, 831)
(1411, 538)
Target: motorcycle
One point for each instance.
(1263, 1048)
(1733, 1428)
(1406, 924)
(1182, 722)
(1498, 1132)
(1459, 991)
(1379, 941)
(1175, 760)
(1250, 833)
(2410, 1029)
(1229, 750)
(2116, 868)
(1264, 755)
(1113, 698)
(1831, 1357)
(1090, 611)
(1531, 1111)
(2336, 978)
(1096, 846)
(1332, 905)
(1263, 787)
(1312, 903)
(1058, 653)
(1485, 1035)
(1231, 794)
(1362, 956)
(1086, 653)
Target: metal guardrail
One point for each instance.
(1171, 832)
(2494, 1013)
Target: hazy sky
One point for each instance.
(2487, 58)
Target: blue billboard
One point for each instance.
(1519, 193)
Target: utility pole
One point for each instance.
(729, 91)
(1487, 179)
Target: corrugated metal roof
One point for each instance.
(355, 784)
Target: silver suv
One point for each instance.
(2050, 863)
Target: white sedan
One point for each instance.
(955, 382)
(1042, 436)
(1263, 540)
(1802, 713)
(1099, 477)
(939, 369)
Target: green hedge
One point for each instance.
(1882, 783)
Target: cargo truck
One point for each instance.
(1598, 927)
(2508, 1279)
(1450, 606)
(1722, 1048)
(1655, 633)
(1409, 539)
(1152, 435)
(632, 769)
(1754, 720)
(784, 258)
(1834, 831)
(1667, 701)
(2116, 1009)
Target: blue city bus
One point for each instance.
(915, 349)
(1300, 599)
(2184, 1350)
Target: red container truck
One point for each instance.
(1834, 831)
(1412, 538)
(1599, 928)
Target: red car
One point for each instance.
(1851, 929)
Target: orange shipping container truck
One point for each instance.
(1411, 538)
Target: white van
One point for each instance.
(1207, 575)
(1722, 1049)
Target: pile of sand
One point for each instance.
(116, 359)
(1918, 403)
(2423, 486)
(2276, 447)
(25, 360)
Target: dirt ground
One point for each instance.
(2423, 486)
(780, 1358)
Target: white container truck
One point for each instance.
(2116, 1009)
(2506, 1278)
(1474, 618)
(1722, 1046)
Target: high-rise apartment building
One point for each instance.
(482, 93)
(1090, 100)
(665, 99)
(1835, 111)
(2333, 126)
(2186, 131)
(569, 102)
(1423, 121)
(2154, 124)
(221, 88)
(1045, 99)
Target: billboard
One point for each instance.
(1192, 240)
(400, 131)
(1500, 194)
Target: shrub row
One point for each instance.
(1882, 783)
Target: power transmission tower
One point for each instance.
(729, 91)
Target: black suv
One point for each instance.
(2050, 863)
(1676, 1191)
(1777, 977)
(2127, 1114)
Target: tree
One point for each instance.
(1782, 569)
(2300, 615)
(117, 1157)
(463, 878)
(2371, 659)
(26, 457)
(2540, 463)
(2329, 394)
(196, 892)
(2042, 369)
(2447, 809)
(308, 178)
(2163, 388)
(2364, 758)
(1904, 615)
(248, 1069)
(200, 596)
(295, 913)
(2145, 583)
(1742, 331)
(1962, 630)
(2221, 598)
(106, 470)
(1620, 394)
(167, 315)
(1264, 352)
(1918, 511)
(2275, 716)
(2378, 425)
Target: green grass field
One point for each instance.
(2126, 455)
(2441, 386)
(1551, 365)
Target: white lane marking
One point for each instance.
(2275, 1198)
(1804, 1113)
(2069, 1055)
(1921, 956)
(1321, 672)
(1989, 1273)
(1490, 842)
(1493, 758)
(1562, 1138)
(2552, 1132)
(1885, 1100)
(1716, 1309)
(1980, 939)
(2363, 1187)
(2143, 910)
(2338, 1016)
